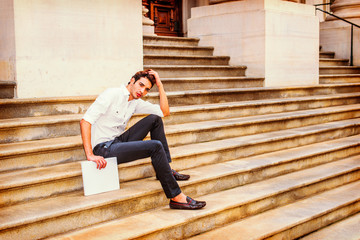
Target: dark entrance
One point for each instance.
(166, 15)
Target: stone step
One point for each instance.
(197, 97)
(40, 153)
(171, 41)
(171, 50)
(19, 108)
(193, 113)
(345, 229)
(222, 207)
(339, 70)
(53, 151)
(339, 78)
(297, 219)
(36, 128)
(24, 185)
(188, 156)
(154, 59)
(169, 71)
(204, 131)
(191, 83)
(333, 62)
(35, 107)
(327, 54)
(7, 89)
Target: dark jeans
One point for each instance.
(130, 146)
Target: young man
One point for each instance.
(103, 133)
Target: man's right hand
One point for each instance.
(99, 160)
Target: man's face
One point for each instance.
(139, 88)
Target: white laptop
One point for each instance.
(99, 181)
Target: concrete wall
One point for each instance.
(275, 39)
(66, 47)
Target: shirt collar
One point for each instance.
(126, 93)
(124, 90)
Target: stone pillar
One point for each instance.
(221, 1)
(66, 48)
(7, 42)
(275, 39)
(148, 24)
(346, 9)
(335, 35)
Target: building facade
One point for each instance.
(67, 48)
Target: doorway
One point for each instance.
(167, 16)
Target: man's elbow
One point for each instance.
(166, 113)
(83, 123)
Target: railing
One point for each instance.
(352, 28)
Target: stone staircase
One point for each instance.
(334, 70)
(270, 162)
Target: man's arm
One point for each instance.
(164, 104)
(86, 138)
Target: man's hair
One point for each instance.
(144, 74)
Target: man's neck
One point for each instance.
(130, 96)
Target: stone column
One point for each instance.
(67, 48)
(275, 39)
(346, 9)
(335, 35)
(7, 42)
(221, 1)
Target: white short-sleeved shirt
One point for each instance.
(111, 111)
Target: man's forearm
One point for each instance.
(164, 103)
(86, 137)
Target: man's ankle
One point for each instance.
(180, 198)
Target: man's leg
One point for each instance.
(130, 151)
(155, 126)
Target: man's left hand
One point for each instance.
(157, 77)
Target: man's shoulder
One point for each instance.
(114, 92)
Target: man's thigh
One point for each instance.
(140, 129)
(130, 151)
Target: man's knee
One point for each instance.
(156, 144)
(156, 147)
(154, 118)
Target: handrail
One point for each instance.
(338, 17)
(352, 29)
(321, 4)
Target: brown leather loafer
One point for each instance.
(190, 205)
(179, 176)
